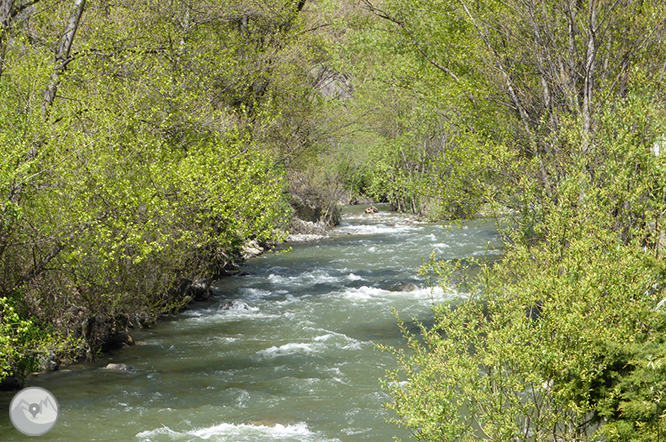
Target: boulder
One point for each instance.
(402, 287)
(303, 237)
(117, 367)
(252, 249)
(371, 209)
(200, 289)
(52, 366)
(309, 205)
(52, 362)
(234, 305)
(301, 227)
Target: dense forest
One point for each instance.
(146, 143)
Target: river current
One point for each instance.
(285, 352)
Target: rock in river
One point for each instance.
(402, 287)
(117, 367)
(234, 305)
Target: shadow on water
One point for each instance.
(389, 332)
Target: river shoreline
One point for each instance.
(191, 294)
(286, 352)
(186, 293)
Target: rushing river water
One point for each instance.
(294, 358)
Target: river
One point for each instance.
(292, 357)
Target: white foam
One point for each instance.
(237, 313)
(340, 340)
(242, 399)
(363, 293)
(377, 229)
(310, 278)
(335, 370)
(150, 434)
(237, 432)
(366, 294)
(287, 349)
(347, 344)
(353, 277)
(232, 432)
(318, 345)
(320, 276)
(325, 337)
(194, 313)
(290, 299)
(276, 279)
(254, 293)
(225, 339)
(230, 312)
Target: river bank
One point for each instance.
(83, 330)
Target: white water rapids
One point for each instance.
(292, 357)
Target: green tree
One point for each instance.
(139, 152)
(561, 109)
(556, 337)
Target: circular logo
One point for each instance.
(34, 411)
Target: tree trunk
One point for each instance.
(6, 7)
(62, 57)
(590, 62)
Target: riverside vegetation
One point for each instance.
(552, 110)
(148, 141)
(143, 144)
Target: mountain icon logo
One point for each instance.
(34, 411)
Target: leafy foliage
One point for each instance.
(22, 342)
(159, 155)
(547, 343)
(558, 118)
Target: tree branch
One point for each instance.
(62, 57)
